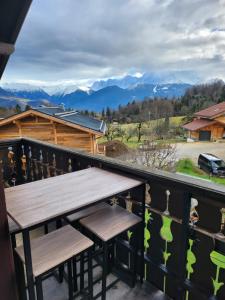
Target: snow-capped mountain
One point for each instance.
(25, 91)
(111, 92)
(43, 90)
(15, 86)
(148, 78)
(124, 82)
(113, 96)
(61, 90)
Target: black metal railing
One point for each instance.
(184, 217)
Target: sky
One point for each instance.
(81, 41)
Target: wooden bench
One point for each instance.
(107, 224)
(53, 249)
(110, 222)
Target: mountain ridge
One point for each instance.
(110, 96)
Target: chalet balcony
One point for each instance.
(184, 248)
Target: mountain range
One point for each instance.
(104, 93)
(156, 78)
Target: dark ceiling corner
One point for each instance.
(12, 16)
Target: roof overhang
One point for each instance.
(210, 117)
(12, 16)
(32, 112)
(198, 124)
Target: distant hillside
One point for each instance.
(113, 96)
(110, 96)
(194, 99)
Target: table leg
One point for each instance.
(28, 264)
(61, 268)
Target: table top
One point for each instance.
(33, 203)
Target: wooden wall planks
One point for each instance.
(46, 130)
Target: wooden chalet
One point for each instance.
(55, 125)
(208, 124)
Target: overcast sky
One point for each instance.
(81, 40)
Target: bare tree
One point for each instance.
(155, 155)
(139, 131)
(115, 131)
(120, 133)
(130, 132)
(160, 156)
(111, 132)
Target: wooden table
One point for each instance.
(33, 204)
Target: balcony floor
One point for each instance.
(56, 291)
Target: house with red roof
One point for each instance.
(208, 124)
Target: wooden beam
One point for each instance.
(55, 132)
(19, 127)
(6, 49)
(35, 124)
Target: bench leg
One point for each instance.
(81, 271)
(90, 274)
(20, 277)
(104, 270)
(74, 261)
(135, 259)
(39, 288)
(70, 279)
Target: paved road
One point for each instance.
(192, 150)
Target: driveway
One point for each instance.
(192, 150)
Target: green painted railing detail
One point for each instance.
(147, 236)
(191, 260)
(219, 260)
(129, 235)
(167, 236)
(147, 232)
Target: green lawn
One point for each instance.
(187, 166)
(176, 121)
(133, 142)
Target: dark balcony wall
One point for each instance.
(184, 253)
(7, 278)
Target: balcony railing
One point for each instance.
(184, 217)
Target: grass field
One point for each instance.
(133, 142)
(187, 166)
(176, 121)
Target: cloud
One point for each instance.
(91, 39)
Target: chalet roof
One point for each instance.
(50, 110)
(12, 15)
(198, 124)
(212, 111)
(74, 117)
(69, 118)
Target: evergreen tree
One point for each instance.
(18, 109)
(27, 107)
(108, 113)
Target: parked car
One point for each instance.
(211, 164)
